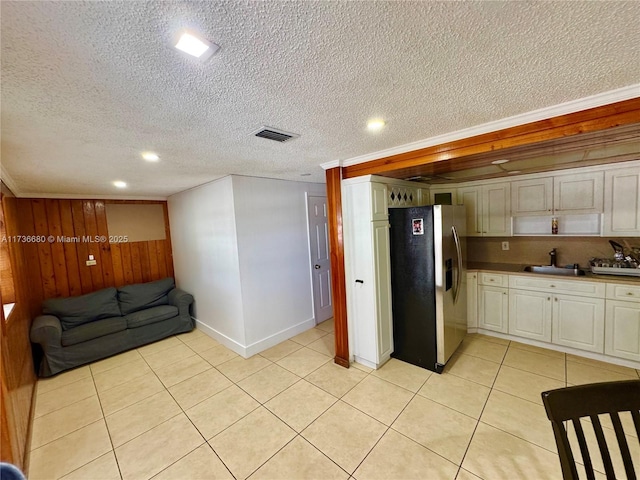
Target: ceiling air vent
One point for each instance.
(275, 134)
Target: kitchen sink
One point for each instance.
(550, 270)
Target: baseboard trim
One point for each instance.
(280, 336)
(222, 338)
(247, 351)
(623, 362)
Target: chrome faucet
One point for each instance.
(554, 255)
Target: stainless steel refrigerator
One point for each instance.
(428, 251)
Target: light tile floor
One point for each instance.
(189, 408)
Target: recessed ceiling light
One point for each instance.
(375, 125)
(499, 162)
(150, 156)
(194, 45)
(119, 184)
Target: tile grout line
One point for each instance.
(104, 419)
(183, 412)
(262, 404)
(390, 424)
(475, 429)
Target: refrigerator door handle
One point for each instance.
(456, 239)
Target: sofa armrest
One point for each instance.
(47, 331)
(181, 299)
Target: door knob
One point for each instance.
(317, 267)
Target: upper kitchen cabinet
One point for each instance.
(403, 195)
(622, 202)
(442, 196)
(488, 209)
(379, 202)
(574, 194)
(577, 193)
(532, 197)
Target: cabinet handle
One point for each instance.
(548, 299)
(555, 299)
(360, 281)
(491, 280)
(504, 293)
(552, 286)
(630, 293)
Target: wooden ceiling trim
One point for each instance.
(590, 120)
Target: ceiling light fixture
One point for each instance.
(375, 125)
(119, 184)
(194, 45)
(499, 162)
(305, 174)
(514, 172)
(150, 156)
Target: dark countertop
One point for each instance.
(511, 268)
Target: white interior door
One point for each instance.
(320, 260)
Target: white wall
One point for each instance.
(275, 267)
(245, 239)
(205, 255)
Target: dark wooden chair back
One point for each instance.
(573, 403)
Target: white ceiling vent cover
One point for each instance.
(275, 134)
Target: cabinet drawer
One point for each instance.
(630, 293)
(555, 285)
(495, 279)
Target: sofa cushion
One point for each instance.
(91, 330)
(151, 315)
(137, 297)
(74, 311)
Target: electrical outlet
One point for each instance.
(91, 262)
(505, 245)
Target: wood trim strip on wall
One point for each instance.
(334, 205)
(591, 120)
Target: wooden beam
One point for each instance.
(594, 119)
(334, 203)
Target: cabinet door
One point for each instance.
(382, 271)
(496, 210)
(622, 203)
(470, 197)
(530, 314)
(443, 196)
(379, 206)
(578, 322)
(578, 193)
(622, 330)
(493, 308)
(472, 300)
(532, 197)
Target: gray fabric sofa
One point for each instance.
(78, 330)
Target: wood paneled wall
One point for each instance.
(58, 269)
(17, 371)
(46, 269)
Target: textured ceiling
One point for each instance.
(86, 86)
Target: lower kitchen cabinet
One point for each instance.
(622, 333)
(578, 322)
(493, 308)
(583, 315)
(530, 314)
